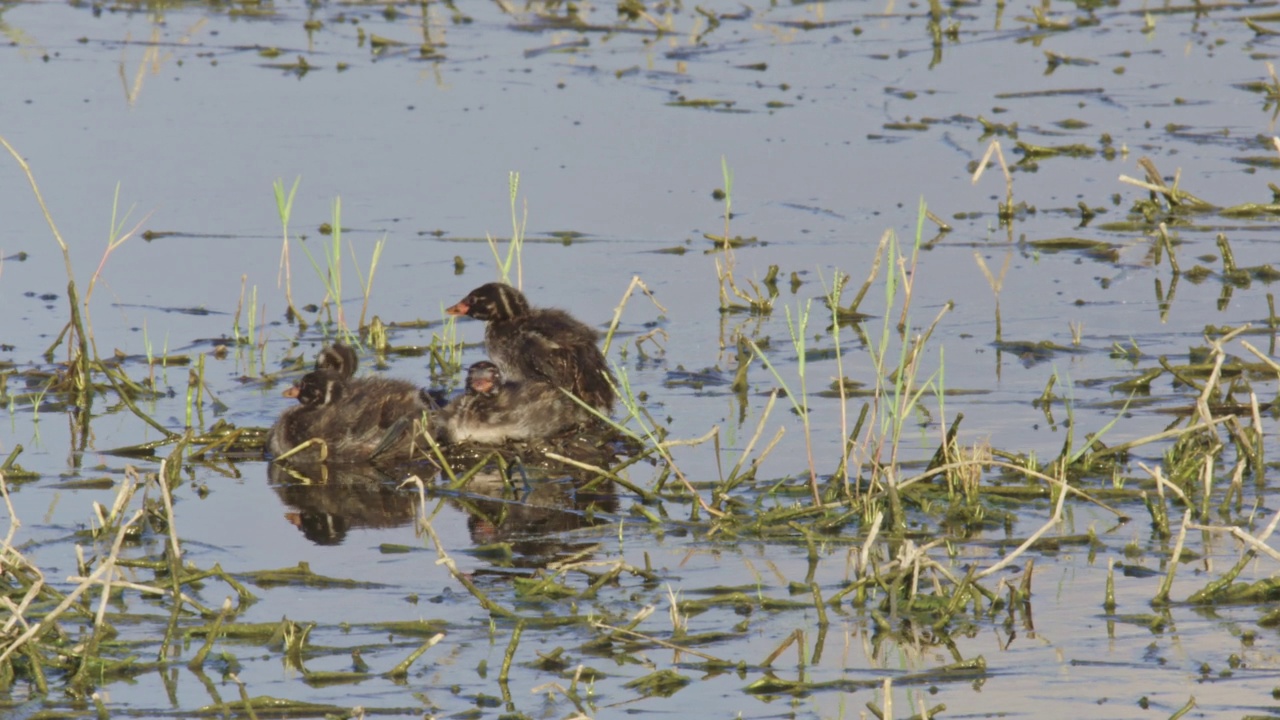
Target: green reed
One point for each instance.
(515, 248)
(755, 301)
(366, 286)
(284, 208)
(330, 275)
(798, 327)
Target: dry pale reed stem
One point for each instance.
(636, 282)
(655, 641)
(1162, 595)
(107, 565)
(1275, 367)
(1258, 543)
(1157, 474)
(1008, 559)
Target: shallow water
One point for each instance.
(176, 105)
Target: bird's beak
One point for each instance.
(460, 308)
(291, 391)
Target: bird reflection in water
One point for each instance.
(530, 510)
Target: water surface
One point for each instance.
(835, 120)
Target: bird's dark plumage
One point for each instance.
(495, 410)
(315, 414)
(359, 419)
(540, 344)
(339, 357)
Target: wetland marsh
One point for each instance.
(835, 514)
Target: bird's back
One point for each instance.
(552, 346)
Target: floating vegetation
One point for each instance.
(706, 103)
(1094, 249)
(1040, 152)
(1055, 60)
